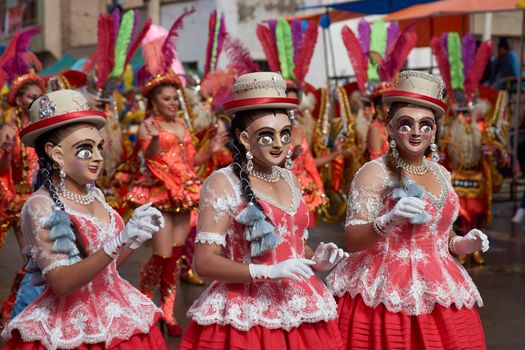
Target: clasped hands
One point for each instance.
(326, 256)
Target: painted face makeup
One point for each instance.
(413, 128)
(81, 154)
(269, 138)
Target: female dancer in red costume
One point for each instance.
(401, 288)
(77, 241)
(170, 182)
(251, 236)
(17, 163)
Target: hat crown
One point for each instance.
(421, 83)
(259, 85)
(57, 103)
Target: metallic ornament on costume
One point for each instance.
(435, 153)
(47, 107)
(419, 170)
(288, 164)
(393, 148)
(249, 162)
(272, 178)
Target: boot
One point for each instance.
(9, 302)
(478, 258)
(168, 291)
(150, 275)
(187, 274)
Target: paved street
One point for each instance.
(501, 281)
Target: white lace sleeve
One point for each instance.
(35, 212)
(367, 191)
(217, 204)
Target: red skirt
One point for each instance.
(152, 340)
(363, 327)
(315, 336)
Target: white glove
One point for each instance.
(291, 268)
(136, 229)
(327, 255)
(405, 209)
(473, 241)
(151, 216)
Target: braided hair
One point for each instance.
(47, 168)
(239, 123)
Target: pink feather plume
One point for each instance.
(168, 47)
(478, 68)
(152, 53)
(105, 48)
(442, 62)
(239, 56)
(211, 34)
(304, 58)
(397, 53)
(14, 61)
(268, 44)
(357, 57)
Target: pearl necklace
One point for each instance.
(412, 169)
(82, 199)
(273, 177)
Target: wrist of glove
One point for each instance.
(144, 222)
(291, 268)
(327, 256)
(473, 241)
(405, 209)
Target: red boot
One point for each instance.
(150, 275)
(168, 291)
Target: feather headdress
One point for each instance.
(285, 49)
(460, 64)
(306, 52)
(357, 57)
(239, 56)
(268, 44)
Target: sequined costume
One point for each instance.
(407, 290)
(108, 312)
(258, 315)
(169, 180)
(308, 176)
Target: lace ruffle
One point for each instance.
(210, 238)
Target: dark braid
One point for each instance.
(47, 169)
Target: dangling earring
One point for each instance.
(288, 164)
(249, 163)
(393, 149)
(62, 185)
(291, 115)
(435, 153)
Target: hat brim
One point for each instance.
(260, 103)
(436, 105)
(31, 132)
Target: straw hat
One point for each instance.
(418, 88)
(57, 109)
(260, 90)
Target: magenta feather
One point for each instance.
(272, 25)
(14, 60)
(468, 50)
(397, 54)
(391, 34)
(211, 34)
(168, 49)
(143, 76)
(116, 19)
(268, 44)
(239, 56)
(481, 59)
(134, 46)
(297, 36)
(442, 61)
(444, 42)
(304, 58)
(358, 59)
(364, 29)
